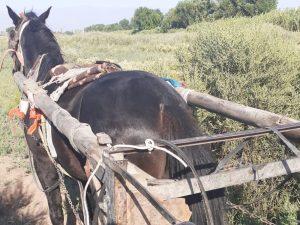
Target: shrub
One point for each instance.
(256, 64)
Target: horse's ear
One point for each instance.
(45, 15)
(15, 18)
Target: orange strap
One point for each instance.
(36, 115)
(15, 112)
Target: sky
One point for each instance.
(77, 14)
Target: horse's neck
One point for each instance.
(47, 62)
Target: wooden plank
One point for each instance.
(169, 189)
(110, 189)
(120, 193)
(245, 114)
(80, 135)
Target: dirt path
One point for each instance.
(21, 203)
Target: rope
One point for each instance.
(183, 159)
(60, 176)
(150, 146)
(85, 206)
(207, 208)
(6, 52)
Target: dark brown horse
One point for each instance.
(130, 106)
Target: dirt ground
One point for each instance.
(21, 202)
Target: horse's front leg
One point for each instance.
(48, 177)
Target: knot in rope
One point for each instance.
(149, 144)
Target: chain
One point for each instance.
(65, 191)
(60, 175)
(245, 211)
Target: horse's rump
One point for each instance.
(132, 106)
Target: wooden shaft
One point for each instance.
(245, 114)
(168, 189)
(80, 135)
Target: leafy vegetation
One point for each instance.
(233, 8)
(253, 61)
(257, 64)
(288, 19)
(146, 19)
(122, 25)
(188, 12)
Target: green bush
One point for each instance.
(256, 64)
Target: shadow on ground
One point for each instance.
(17, 207)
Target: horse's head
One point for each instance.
(30, 39)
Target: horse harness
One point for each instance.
(64, 76)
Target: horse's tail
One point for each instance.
(180, 126)
(203, 162)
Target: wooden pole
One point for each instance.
(248, 115)
(79, 134)
(168, 189)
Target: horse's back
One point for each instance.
(128, 102)
(132, 106)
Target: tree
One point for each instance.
(146, 19)
(96, 27)
(231, 8)
(124, 23)
(188, 12)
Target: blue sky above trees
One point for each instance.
(77, 14)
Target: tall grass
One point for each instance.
(11, 138)
(150, 51)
